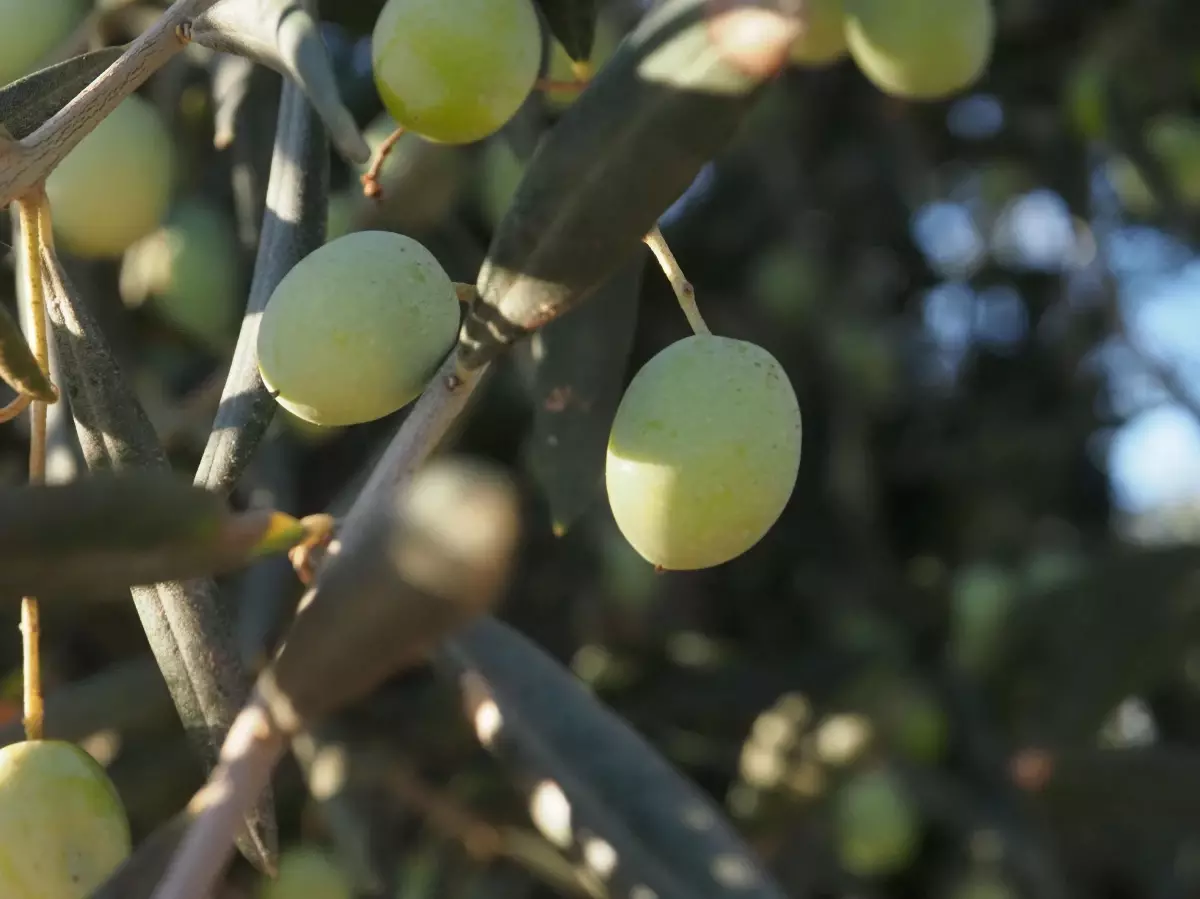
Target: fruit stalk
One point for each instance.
(31, 214)
(684, 292)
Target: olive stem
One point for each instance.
(15, 408)
(30, 215)
(254, 745)
(370, 181)
(37, 155)
(684, 292)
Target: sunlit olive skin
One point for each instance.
(455, 72)
(921, 49)
(355, 330)
(876, 823)
(31, 29)
(63, 829)
(308, 872)
(114, 188)
(704, 452)
(822, 40)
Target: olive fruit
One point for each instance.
(188, 271)
(63, 829)
(29, 30)
(822, 39)
(356, 329)
(704, 452)
(308, 872)
(114, 188)
(455, 72)
(876, 824)
(920, 49)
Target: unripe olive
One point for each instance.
(982, 598)
(355, 330)
(343, 208)
(704, 452)
(500, 174)
(308, 872)
(921, 49)
(455, 72)
(877, 825)
(63, 829)
(822, 39)
(114, 188)
(29, 30)
(188, 270)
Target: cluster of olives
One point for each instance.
(915, 49)
(705, 447)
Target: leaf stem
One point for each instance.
(31, 215)
(684, 291)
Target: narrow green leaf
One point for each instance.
(104, 512)
(575, 371)
(293, 226)
(18, 367)
(667, 102)
(187, 628)
(667, 838)
(573, 24)
(432, 558)
(27, 103)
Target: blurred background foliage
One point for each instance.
(964, 664)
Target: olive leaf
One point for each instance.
(413, 573)
(293, 226)
(115, 532)
(26, 104)
(664, 836)
(573, 24)
(18, 367)
(665, 104)
(188, 630)
(282, 35)
(433, 553)
(574, 370)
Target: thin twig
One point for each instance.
(248, 757)
(431, 418)
(370, 181)
(46, 147)
(29, 211)
(684, 291)
(15, 408)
